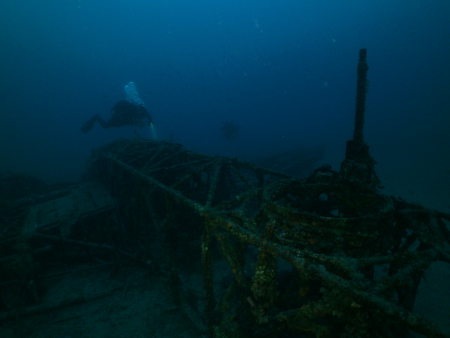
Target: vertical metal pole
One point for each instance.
(358, 165)
(361, 90)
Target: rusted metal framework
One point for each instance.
(317, 257)
(326, 256)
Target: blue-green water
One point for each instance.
(284, 71)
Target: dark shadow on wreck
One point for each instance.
(163, 242)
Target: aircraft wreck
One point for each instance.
(325, 256)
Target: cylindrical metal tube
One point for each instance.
(361, 90)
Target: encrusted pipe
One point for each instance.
(361, 90)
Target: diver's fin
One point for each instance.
(87, 126)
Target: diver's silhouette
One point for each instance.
(230, 130)
(124, 113)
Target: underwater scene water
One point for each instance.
(283, 71)
(268, 82)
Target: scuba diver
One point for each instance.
(230, 130)
(129, 112)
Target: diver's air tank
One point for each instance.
(132, 96)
